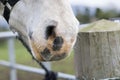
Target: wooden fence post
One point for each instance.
(97, 51)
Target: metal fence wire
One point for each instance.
(14, 66)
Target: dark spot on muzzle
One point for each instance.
(30, 34)
(57, 43)
(50, 31)
(46, 54)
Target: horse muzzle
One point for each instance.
(56, 49)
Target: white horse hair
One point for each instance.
(48, 28)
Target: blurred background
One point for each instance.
(91, 10)
(86, 11)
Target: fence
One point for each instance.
(96, 56)
(13, 66)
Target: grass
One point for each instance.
(23, 57)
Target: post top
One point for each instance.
(101, 26)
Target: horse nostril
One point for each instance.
(50, 31)
(57, 43)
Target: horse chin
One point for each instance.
(51, 56)
(48, 53)
(56, 56)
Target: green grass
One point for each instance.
(23, 57)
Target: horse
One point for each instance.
(47, 28)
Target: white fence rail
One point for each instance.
(13, 66)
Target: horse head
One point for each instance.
(48, 28)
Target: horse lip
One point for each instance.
(58, 57)
(46, 54)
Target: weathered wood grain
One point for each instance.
(97, 54)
